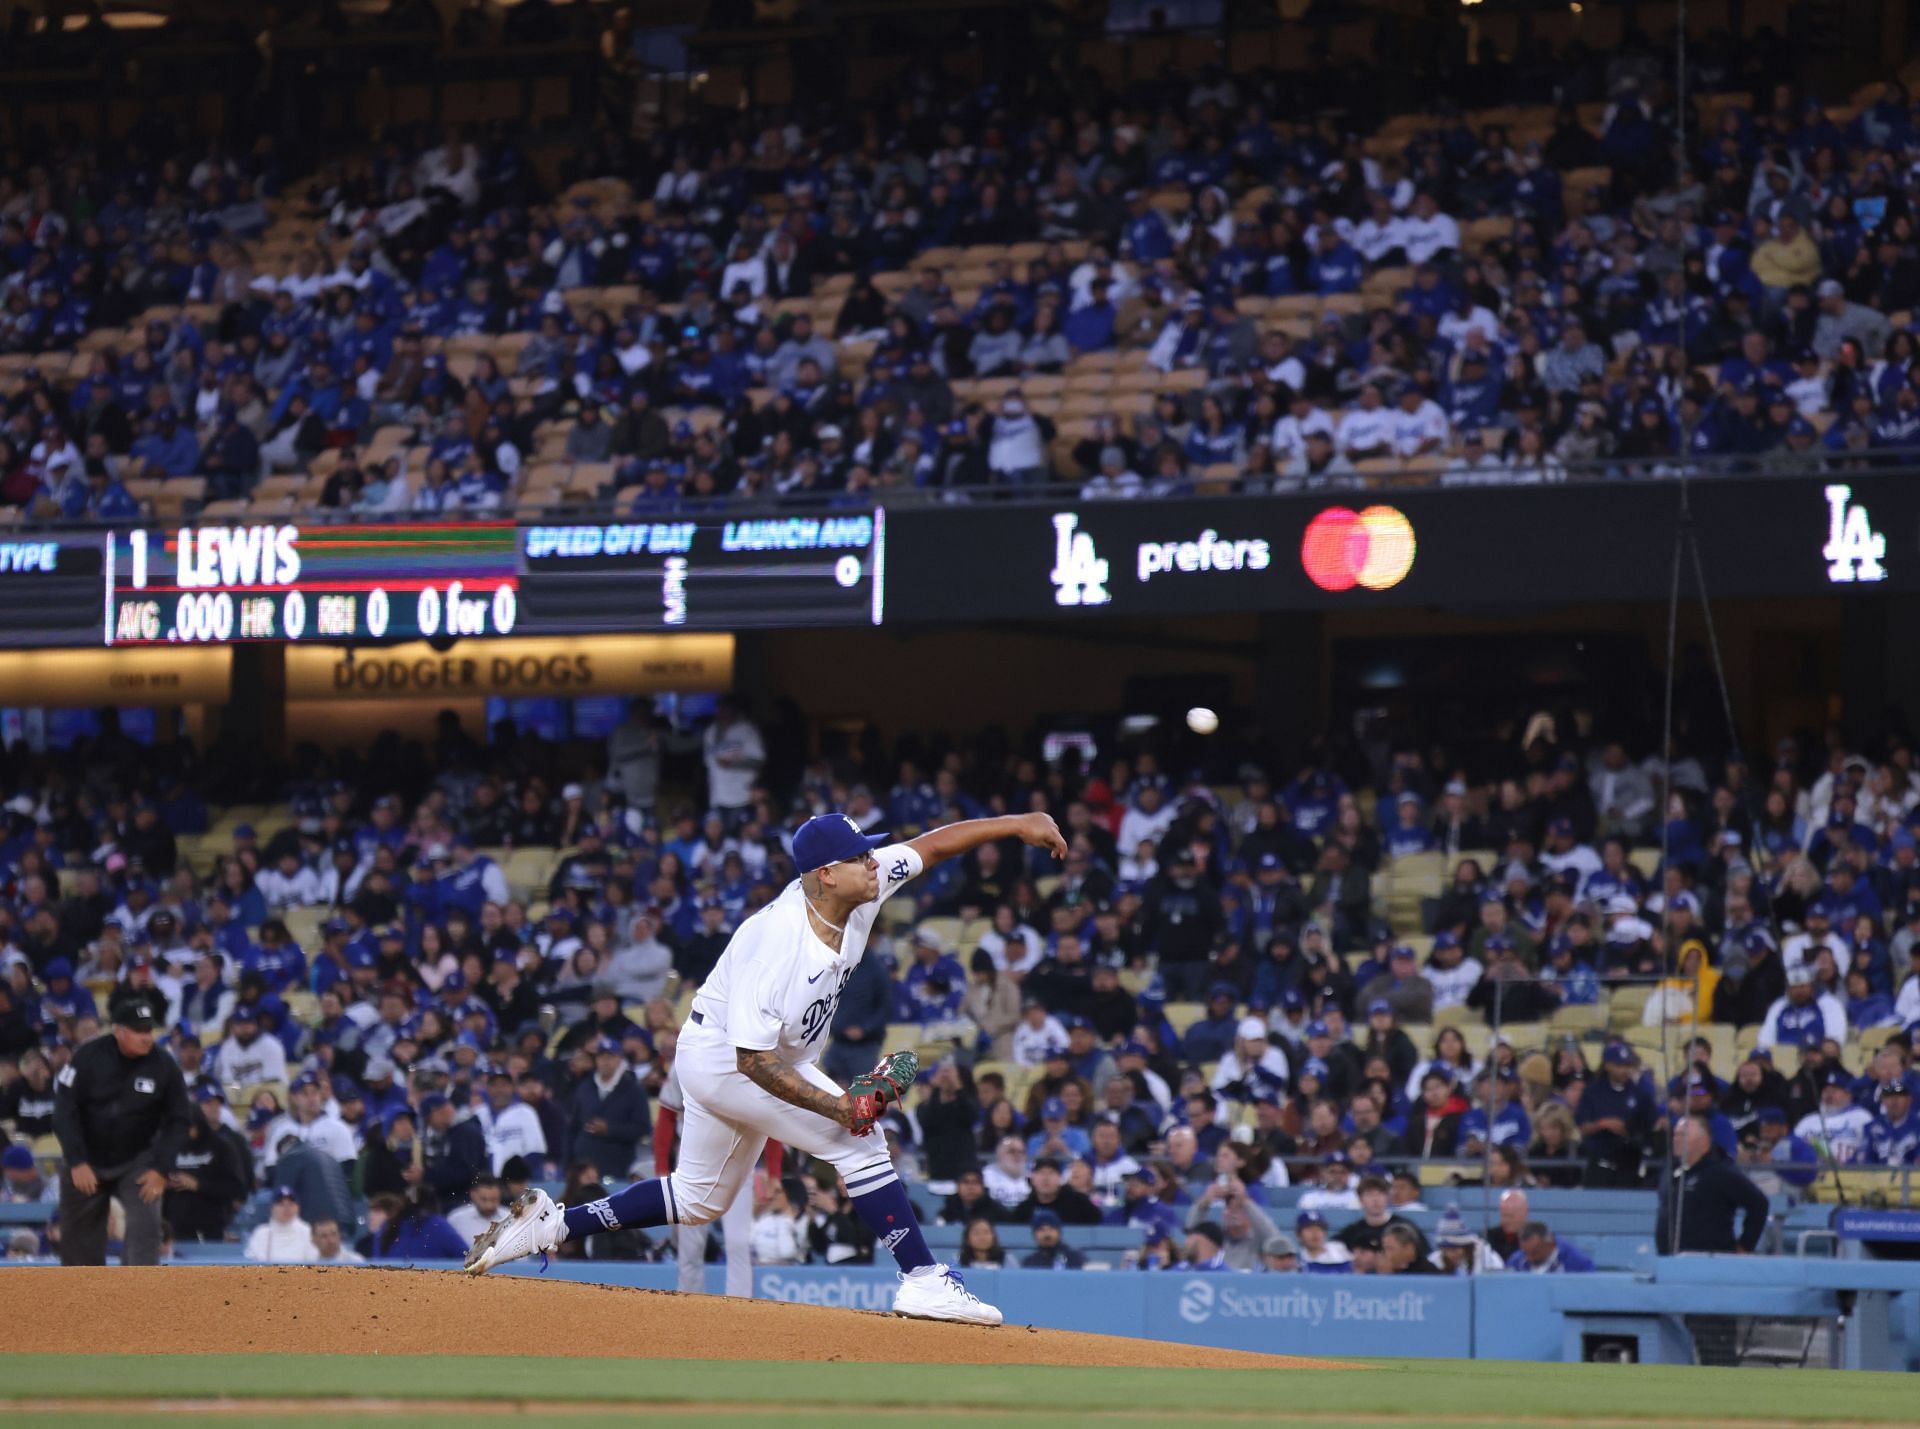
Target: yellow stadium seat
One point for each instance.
(947, 929)
(1184, 1014)
(1579, 1019)
(528, 871)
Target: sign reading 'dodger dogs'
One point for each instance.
(605, 665)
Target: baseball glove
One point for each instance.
(886, 1085)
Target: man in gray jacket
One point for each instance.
(1840, 320)
(1247, 1226)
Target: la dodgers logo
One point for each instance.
(1854, 550)
(1079, 574)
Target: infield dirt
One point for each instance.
(342, 1310)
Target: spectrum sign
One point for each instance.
(1373, 547)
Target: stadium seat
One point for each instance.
(1578, 1019)
(528, 870)
(1626, 1006)
(947, 929)
(1184, 1014)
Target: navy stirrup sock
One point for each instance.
(889, 1215)
(642, 1204)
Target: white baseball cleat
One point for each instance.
(942, 1296)
(536, 1226)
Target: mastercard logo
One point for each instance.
(1372, 548)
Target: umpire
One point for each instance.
(1702, 1194)
(120, 1110)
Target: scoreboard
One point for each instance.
(50, 589)
(709, 574)
(304, 583)
(221, 584)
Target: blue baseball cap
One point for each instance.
(1053, 1109)
(1618, 1054)
(17, 1157)
(831, 838)
(1308, 1218)
(1319, 1028)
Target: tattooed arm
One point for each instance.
(767, 1071)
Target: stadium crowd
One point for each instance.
(1339, 976)
(832, 302)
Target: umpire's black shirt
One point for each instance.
(109, 1108)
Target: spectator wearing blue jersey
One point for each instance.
(1893, 1137)
(64, 997)
(1794, 1160)
(168, 448)
(935, 985)
(1335, 267)
(1090, 327)
(1057, 1137)
(1409, 833)
(1313, 799)
(1211, 1038)
(1141, 1207)
(1543, 1253)
(419, 1232)
(1507, 1125)
(473, 881)
(1866, 1007)
(1566, 975)
(1803, 1016)
(1320, 1254)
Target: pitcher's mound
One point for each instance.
(315, 1310)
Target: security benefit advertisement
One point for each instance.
(1340, 550)
(514, 669)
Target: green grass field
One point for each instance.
(1401, 1393)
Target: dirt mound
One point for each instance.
(314, 1310)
